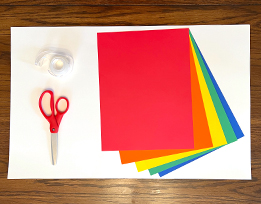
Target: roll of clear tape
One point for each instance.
(59, 62)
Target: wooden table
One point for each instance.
(127, 12)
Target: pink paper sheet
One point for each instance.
(145, 90)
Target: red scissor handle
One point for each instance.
(60, 114)
(54, 120)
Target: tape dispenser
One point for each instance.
(58, 61)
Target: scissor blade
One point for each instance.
(54, 142)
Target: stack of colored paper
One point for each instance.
(161, 106)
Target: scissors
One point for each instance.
(54, 121)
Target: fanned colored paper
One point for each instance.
(145, 90)
(217, 134)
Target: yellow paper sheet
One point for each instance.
(217, 134)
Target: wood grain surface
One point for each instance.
(127, 12)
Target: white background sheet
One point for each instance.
(225, 48)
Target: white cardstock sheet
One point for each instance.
(226, 49)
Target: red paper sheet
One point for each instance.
(145, 90)
(202, 137)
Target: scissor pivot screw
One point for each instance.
(53, 129)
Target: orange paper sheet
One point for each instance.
(202, 137)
